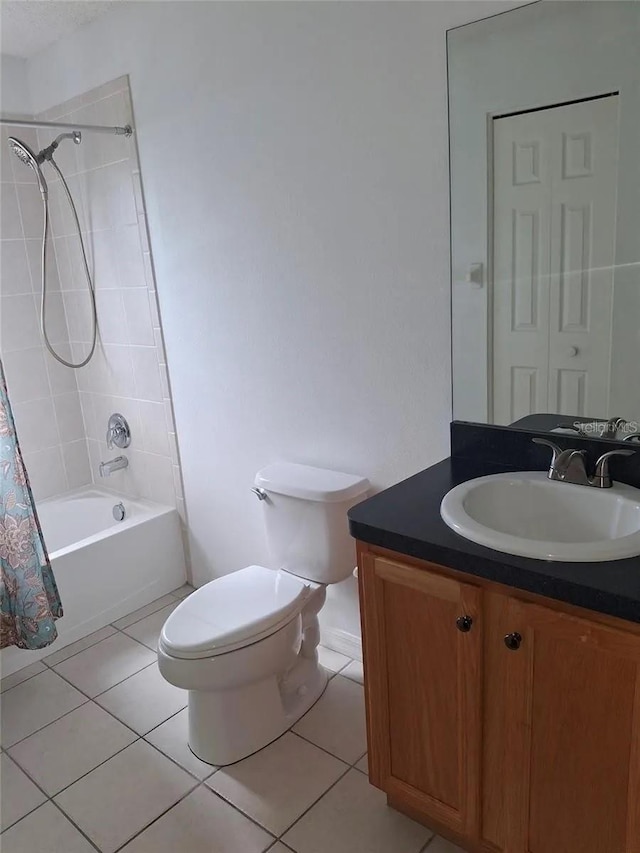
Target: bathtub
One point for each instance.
(104, 568)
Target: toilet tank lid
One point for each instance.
(308, 483)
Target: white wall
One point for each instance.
(589, 49)
(294, 160)
(14, 87)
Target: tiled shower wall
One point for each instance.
(44, 394)
(128, 372)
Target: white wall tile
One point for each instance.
(26, 373)
(177, 482)
(158, 475)
(18, 323)
(173, 446)
(155, 438)
(65, 275)
(106, 250)
(159, 343)
(154, 308)
(144, 233)
(120, 198)
(76, 463)
(14, 267)
(34, 255)
(69, 417)
(111, 317)
(168, 413)
(46, 472)
(56, 321)
(119, 371)
(10, 212)
(6, 156)
(77, 305)
(31, 209)
(56, 221)
(88, 416)
(66, 443)
(76, 261)
(146, 373)
(138, 316)
(164, 381)
(129, 257)
(36, 424)
(148, 271)
(62, 379)
(94, 188)
(137, 191)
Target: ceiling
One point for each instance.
(28, 26)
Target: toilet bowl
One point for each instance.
(245, 645)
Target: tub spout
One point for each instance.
(117, 464)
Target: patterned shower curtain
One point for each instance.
(29, 600)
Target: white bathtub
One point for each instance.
(104, 568)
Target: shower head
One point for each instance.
(47, 152)
(26, 155)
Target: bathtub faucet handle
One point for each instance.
(118, 432)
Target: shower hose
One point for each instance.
(92, 296)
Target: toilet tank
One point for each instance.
(305, 515)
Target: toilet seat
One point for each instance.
(234, 611)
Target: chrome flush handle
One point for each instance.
(259, 493)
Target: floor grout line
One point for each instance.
(314, 803)
(322, 748)
(89, 699)
(156, 819)
(184, 797)
(73, 823)
(43, 660)
(198, 782)
(24, 681)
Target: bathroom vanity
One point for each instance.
(502, 692)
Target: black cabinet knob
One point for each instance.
(512, 641)
(464, 623)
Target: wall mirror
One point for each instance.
(544, 112)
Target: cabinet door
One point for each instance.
(573, 735)
(423, 687)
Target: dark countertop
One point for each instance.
(406, 518)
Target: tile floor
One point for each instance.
(94, 757)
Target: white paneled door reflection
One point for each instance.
(554, 202)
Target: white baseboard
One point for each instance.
(343, 642)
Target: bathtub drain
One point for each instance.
(119, 512)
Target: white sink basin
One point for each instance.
(530, 515)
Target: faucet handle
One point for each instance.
(557, 451)
(602, 477)
(118, 432)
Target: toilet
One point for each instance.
(245, 645)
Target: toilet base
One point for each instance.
(226, 726)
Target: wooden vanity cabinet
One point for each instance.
(505, 724)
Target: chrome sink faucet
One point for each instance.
(568, 466)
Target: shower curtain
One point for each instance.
(29, 600)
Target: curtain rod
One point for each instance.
(127, 130)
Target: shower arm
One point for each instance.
(126, 130)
